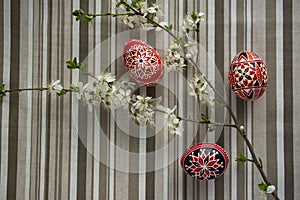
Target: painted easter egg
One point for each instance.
(205, 161)
(248, 76)
(142, 62)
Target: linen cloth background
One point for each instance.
(42, 157)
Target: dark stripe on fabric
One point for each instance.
(14, 100)
(240, 104)
(48, 125)
(219, 60)
(133, 180)
(150, 141)
(82, 152)
(60, 106)
(1, 53)
(103, 175)
(271, 92)
(288, 100)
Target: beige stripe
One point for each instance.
(296, 96)
(5, 103)
(160, 189)
(53, 140)
(23, 109)
(44, 98)
(181, 110)
(233, 155)
(166, 132)
(248, 9)
(29, 100)
(280, 98)
(211, 76)
(111, 124)
(142, 145)
(259, 110)
(35, 105)
(74, 115)
(66, 120)
(90, 127)
(227, 133)
(203, 63)
(97, 142)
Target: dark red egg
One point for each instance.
(248, 76)
(205, 161)
(142, 62)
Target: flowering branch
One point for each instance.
(239, 128)
(110, 93)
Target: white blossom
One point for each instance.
(197, 87)
(175, 125)
(56, 87)
(142, 20)
(271, 189)
(106, 77)
(122, 98)
(142, 109)
(77, 88)
(191, 22)
(151, 10)
(174, 58)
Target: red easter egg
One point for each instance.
(142, 62)
(248, 76)
(205, 161)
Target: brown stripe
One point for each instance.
(240, 104)
(1, 61)
(288, 100)
(82, 153)
(60, 106)
(104, 170)
(49, 108)
(219, 60)
(150, 141)
(271, 91)
(66, 116)
(14, 100)
(1, 54)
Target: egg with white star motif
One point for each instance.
(248, 76)
(142, 62)
(205, 161)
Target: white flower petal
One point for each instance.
(271, 188)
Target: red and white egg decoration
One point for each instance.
(205, 161)
(248, 76)
(142, 62)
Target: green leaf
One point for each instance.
(180, 41)
(75, 60)
(263, 186)
(169, 27)
(61, 93)
(76, 13)
(2, 90)
(72, 64)
(217, 102)
(204, 117)
(1, 97)
(241, 158)
(211, 127)
(194, 16)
